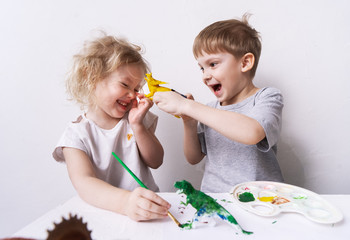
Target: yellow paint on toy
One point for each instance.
(153, 86)
(266, 199)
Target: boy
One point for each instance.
(238, 132)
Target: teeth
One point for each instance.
(122, 103)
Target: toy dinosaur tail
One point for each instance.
(228, 216)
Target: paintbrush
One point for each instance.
(173, 90)
(142, 185)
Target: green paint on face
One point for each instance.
(246, 197)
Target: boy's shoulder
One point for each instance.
(262, 93)
(268, 91)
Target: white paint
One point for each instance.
(306, 54)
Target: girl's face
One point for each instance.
(115, 94)
(222, 73)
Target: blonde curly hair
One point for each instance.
(233, 36)
(96, 60)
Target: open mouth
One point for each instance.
(123, 104)
(216, 87)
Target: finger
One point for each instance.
(156, 98)
(152, 197)
(189, 96)
(140, 95)
(134, 103)
(151, 209)
(143, 215)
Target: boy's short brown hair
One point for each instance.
(234, 36)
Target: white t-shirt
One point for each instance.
(99, 144)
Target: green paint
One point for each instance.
(187, 225)
(300, 197)
(274, 222)
(205, 205)
(246, 197)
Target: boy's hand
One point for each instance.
(169, 102)
(143, 204)
(139, 109)
(185, 118)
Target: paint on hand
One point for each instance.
(246, 197)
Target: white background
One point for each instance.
(306, 54)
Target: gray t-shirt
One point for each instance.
(228, 162)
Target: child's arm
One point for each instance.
(141, 204)
(150, 149)
(191, 145)
(232, 125)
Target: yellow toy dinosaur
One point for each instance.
(153, 86)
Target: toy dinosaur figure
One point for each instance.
(153, 86)
(205, 205)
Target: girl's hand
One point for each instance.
(139, 109)
(143, 204)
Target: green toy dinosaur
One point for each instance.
(205, 206)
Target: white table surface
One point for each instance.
(107, 225)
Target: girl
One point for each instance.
(105, 80)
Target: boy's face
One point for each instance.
(222, 73)
(115, 94)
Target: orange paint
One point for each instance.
(129, 136)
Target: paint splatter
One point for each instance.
(300, 197)
(274, 222)
(246, 197)
(279, 200)
(129, 136)
(227, 201)
(205, 205)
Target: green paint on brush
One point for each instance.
(205, 206)
(246, 197)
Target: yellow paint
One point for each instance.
(153, 86)
(266, 199)
(129, 136)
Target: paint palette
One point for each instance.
(271, 198)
